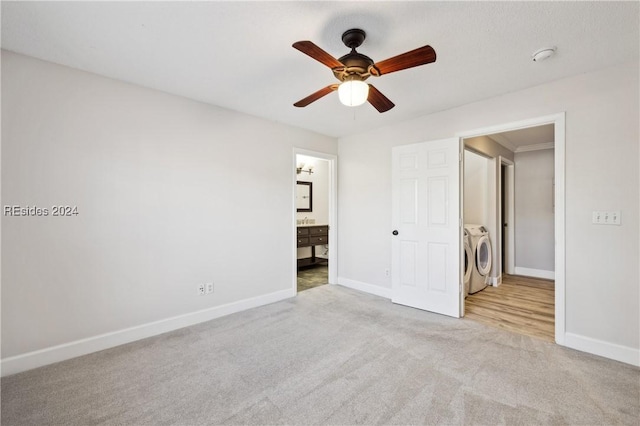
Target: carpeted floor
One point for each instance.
(331, 355)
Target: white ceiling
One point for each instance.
(528, 139)
(238, 55)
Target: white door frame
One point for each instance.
(510, 210)
(333, 214)
(558, 120)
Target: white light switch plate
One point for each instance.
(606, 217)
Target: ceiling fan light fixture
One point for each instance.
(354, 68)
(353, 92)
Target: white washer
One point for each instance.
(481, 249)
(468, 262)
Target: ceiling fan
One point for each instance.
(354, 68)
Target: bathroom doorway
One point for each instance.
(314, 220)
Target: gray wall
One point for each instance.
(170, 193)
(476, 188)
(491, 151)
(534, 210)
(601, 123)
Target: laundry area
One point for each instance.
(477, 212)
(508, 239)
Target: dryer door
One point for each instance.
(483, 255)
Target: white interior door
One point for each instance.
(426, 226)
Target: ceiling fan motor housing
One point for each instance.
(356, 65)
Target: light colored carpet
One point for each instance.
(329, 356)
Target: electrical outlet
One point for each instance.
(209, 288)
(201, 289)
(387, 272)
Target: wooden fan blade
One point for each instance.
(309, 48)
(378, 100)
(420, 56)
(315, 96)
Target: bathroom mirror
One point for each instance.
(304, 196)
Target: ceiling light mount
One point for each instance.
(353, 38)
(544, 53)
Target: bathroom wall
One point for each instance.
(320, 214)
(534, 213)
(320, 180)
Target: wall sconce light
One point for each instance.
(300, 169)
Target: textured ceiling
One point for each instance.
(528, 139)
(238, 55)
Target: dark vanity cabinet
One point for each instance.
(312, 236)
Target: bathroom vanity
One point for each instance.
(312, 236)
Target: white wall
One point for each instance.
(601, 173)
(534, 214)
(170, 193)
(320, 180)
(476, 191)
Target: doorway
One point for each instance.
(544, 282)
(314, 219)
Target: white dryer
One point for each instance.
(468, 262)
(481, 249)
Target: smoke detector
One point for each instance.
(544, 53)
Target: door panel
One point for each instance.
(409, 198)
(408, 257)
(426, 213)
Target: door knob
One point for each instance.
(395, 232)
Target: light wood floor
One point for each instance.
(520, 304)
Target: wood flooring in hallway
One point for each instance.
(520, 304)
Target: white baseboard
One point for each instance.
(605, 349)
(496, 281)
(535, 273)
(367, 288)
(39, 358)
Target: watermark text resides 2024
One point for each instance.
(35, 211)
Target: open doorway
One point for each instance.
(314, 218)
(509, 195)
